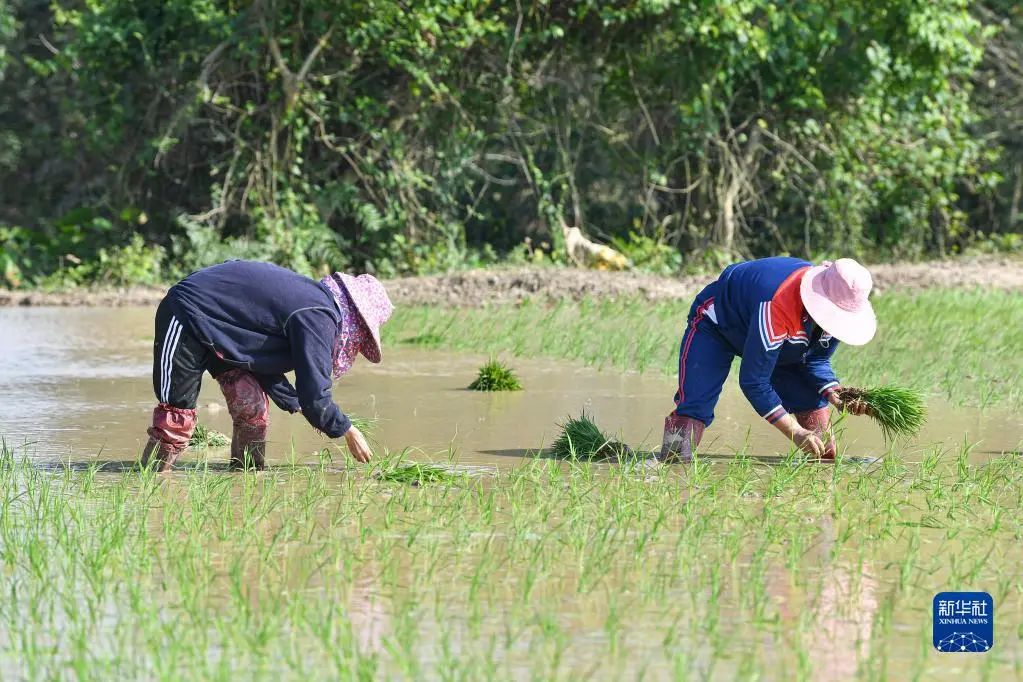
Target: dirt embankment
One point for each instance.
(99, 298)
(508, 285)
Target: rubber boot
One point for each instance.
(250, 413)
(168, 436)
(819, 421)
(681, 436)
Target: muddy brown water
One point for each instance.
(76, 385)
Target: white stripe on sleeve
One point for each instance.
(826, 386)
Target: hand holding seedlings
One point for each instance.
(357, 445)
(807, 441)
(810, 443)
(898, 411)
(854, 407)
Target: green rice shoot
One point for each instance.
(495, 376)
(415, 473)
(365, 424)
(581, 438)
(900, 412)
(205, 437)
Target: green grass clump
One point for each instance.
(581, 438)
(496, 376)
(898, 411)
(414, 473)
(204, 437)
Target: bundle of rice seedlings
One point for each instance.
(365, 424)
(898, 411)
(582, 439)
(414, 473)
(495, 376)
(204, 437)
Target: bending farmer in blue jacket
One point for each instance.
(784, 318)
(247, 324)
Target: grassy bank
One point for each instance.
(964, 346)
(544, 571)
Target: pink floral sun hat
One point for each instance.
(367, 296)
(836, 297)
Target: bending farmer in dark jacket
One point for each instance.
(248, 323)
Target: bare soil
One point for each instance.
(514, 284)
(99, 297)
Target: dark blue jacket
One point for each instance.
(269, 320)
(758, 309)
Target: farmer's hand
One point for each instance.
(856, 407)
(809, 442)
(357, 445)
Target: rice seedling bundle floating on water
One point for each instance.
(414, 473)
(204, 437)
(582, 439)
(898, 411)
(495, 376)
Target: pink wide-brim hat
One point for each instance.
(836, 297)
(372, 305)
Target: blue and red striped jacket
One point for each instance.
(757, 308)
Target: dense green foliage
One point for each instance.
(423, 135)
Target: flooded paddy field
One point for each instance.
(748, 564)
(78, 385)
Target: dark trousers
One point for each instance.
(179, 361)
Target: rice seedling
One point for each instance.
(205, 437)
(495, 376)
(539, 570)
(898, 411)
(581, 438)
(365, 424)
(416, 474)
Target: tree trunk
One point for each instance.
(1017, 194)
